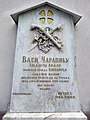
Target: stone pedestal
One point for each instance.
(45, 116)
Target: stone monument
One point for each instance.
(44, 78)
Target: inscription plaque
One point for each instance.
(44, 78)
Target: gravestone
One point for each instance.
(44, 78)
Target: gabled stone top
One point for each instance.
(76, 17)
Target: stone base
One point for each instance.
(45, 116)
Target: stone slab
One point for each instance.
(45, 116)
(44, 82)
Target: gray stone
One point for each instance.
(45, 116)
(56, 90)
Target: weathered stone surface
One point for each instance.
(44, 82)
(45, 116)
